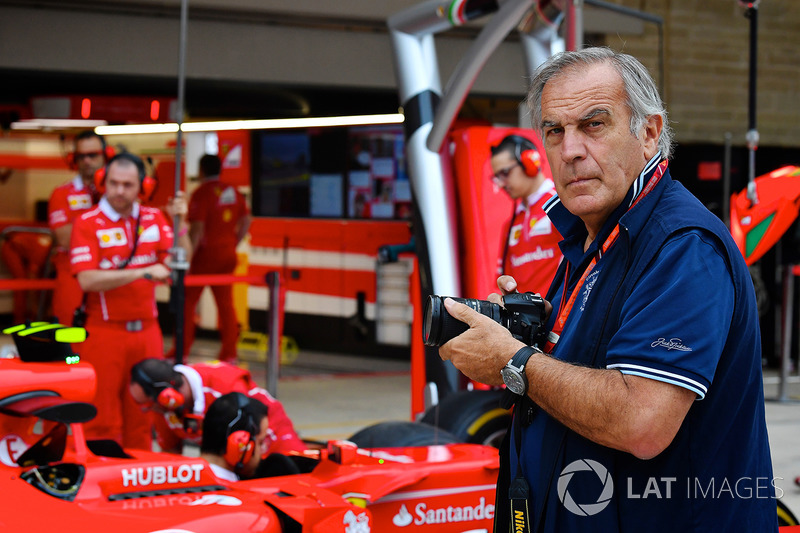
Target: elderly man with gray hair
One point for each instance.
(644, 410)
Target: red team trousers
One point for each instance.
(113, 370)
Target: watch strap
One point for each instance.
(517, 366)
(523, 354)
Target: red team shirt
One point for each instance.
(68, 202)
(219, 207)
(102, 240)
(530, 251)
(212, 380)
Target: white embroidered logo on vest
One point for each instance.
(672, 344)
(591, 279)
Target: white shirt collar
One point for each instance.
(223, 473)
(77, 183)
(112, 215)
(196, 383)
(546, 186)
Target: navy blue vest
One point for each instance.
(723, 440)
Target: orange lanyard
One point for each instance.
(566, 305)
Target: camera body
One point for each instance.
(523, 314)
(528, 317)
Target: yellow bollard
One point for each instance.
(240, 304)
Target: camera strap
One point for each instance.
(519, 489)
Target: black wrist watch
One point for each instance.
(514, 372)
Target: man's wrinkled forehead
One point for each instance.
(598, 84)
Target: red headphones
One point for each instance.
(527, 156)
(170, 399)
(147, 184)
(240, 449)
(240, 444)
(162, 392)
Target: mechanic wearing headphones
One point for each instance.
(235, 436)
(183, 394)
(529, 250)
(117, 252)
(68, 202)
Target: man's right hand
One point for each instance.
(157, 272)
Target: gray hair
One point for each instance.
(642, 92)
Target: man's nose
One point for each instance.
(573, 146)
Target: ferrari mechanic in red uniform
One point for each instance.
(117, 253)
(219, 219)
(181, 394)
(529, 250)
(235, 436)
(68, 202)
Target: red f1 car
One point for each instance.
(758, 226)
(49, 471)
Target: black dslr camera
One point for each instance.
(523, 315)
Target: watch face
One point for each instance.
(514, 381)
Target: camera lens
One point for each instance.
(429, 321)
(524, 316)
(432, 325)
(439, 326)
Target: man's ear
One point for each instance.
(651, 134)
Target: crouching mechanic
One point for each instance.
(235, 433)
(236, 440)
(182, 394)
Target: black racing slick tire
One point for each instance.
(473, 416)
(400, 434)
(785, 516)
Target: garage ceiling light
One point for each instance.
(265, 124)
(45, 124)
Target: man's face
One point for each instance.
(145, 402)
(89, 157)
(510, 175)
(122, 187)
(260, 450)
(593, 155)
